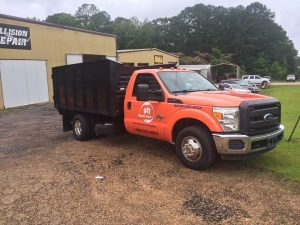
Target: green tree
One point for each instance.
(261, 66)
(218, 57)
(85, 13)
(297, 72)
(100, 22)
(125, 31)
(145, 35)
(244, 33)
(62, 19)
(278, 71)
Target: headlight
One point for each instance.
(228, 118)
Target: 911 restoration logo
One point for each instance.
(146, 112)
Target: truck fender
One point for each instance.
(212, 124)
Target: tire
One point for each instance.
(263, 83)
(81, 127)
(207, 152)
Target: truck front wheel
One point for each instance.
(81, 127)
(195, 148)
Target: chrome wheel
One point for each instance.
(191, 149)
(78, 127)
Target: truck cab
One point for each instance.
(183, 108)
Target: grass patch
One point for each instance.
(285, 159)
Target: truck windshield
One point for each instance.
(185, 81)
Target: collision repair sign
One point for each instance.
(14, 37)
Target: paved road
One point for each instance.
(285, 83)
(46, 177)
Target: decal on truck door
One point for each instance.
(146, 112)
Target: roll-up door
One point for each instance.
(24, 82)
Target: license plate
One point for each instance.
(272, 142)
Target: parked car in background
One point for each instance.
(268, 77)
(245, 84)
(233, 87)
(291, 78)
(256, 79)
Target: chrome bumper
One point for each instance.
(247, 144)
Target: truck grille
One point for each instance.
(259, 116)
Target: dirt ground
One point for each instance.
(47, 177)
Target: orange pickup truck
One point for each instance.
(174, 105)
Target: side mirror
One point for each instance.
(142, 92)
(221, 87)
(157, 96)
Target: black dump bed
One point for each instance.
(95, 87)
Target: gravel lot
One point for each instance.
(49, 178)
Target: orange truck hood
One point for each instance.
(218, 98)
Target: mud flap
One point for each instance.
(67, 122)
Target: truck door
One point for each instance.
(145, 118)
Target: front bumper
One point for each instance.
(241, 145)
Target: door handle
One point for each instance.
(129, 105)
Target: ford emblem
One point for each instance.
(268, 117)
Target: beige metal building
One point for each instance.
(29, 49)
(145, 57)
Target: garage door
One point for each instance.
(24, 82)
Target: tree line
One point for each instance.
(247, 36)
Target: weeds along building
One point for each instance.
(29, 49)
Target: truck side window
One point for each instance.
(146, 79)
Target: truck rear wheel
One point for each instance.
(195, 148)
(81, 127)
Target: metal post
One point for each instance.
(238, 72)
(294, 129)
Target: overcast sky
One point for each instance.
(287, 11)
